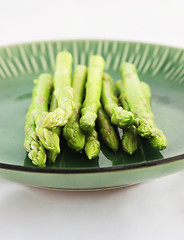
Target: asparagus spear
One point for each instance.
(137, 95)
(120, 117)
(107, 131)
(52, 155)
(93, 93)
(92, 147)
(63, 92)
(147, 94)
(130, 139)
(135, 99)
(158, 140)
(119, 87)
(72, 131)
(48, 138)
(39, 103)
(130, 135)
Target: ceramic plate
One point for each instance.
(161, 67)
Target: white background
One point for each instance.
(152, 210)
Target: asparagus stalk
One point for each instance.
(119, 87)
(92, 147)
(137, 95)
(39, 104)
(120, 117)
(135, 99)
(147, 94)
(63, 92)
(130, 135)
(52, 155)
(130, 139)
(72, 131)
(48, 138)
(107, 131)
(93, 93)
(158, 140)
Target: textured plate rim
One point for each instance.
(91, 170)
(91, 40)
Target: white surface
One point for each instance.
(153, 210)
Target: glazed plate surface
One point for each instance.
(161, 67)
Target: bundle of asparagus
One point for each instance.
(78, 118)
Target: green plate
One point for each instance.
(161, 67)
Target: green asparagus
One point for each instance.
(63, 92)
(107, 131)
(120, 117)
(93, 93)
(130, 135)
(147, 94)
(39, 104)
(72, 131)
(139, 103)
(52, 155)
(130, 139)
(134, 96)
(92, 147)
(119, 87)
(48, 138)
(158, 140)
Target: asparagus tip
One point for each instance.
(121, 117)
(74, 136)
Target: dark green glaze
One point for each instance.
(161, 67)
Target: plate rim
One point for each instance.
(133, 166)
(91, 40)
(36, 169)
